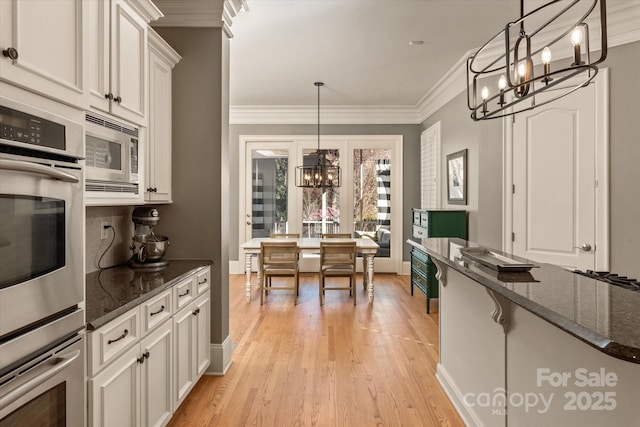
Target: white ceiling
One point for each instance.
(358, 48)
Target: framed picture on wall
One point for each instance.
(456, 178)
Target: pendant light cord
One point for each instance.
(318, 84)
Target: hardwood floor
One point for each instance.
(335, 365)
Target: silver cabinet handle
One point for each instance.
(585, 247)
(51, 172)
(58, 364)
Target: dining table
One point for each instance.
(364, 246)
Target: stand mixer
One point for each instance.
(148, 248)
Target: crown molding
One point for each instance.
(305, 114)
(622, 26)
(162, 48)
(146, 8)
(200, 13)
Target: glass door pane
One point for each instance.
(269, 188)
(372, 197)
(320, 206)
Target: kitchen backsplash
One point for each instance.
(120, 218)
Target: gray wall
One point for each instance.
(411, 162)
(197, 221)
(624, 62)
(483, 141)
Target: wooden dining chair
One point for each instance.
(336, 236)
(279, 259)
(337, 259)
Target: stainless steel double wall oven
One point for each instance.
(41, 268)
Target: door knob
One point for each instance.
(585, 247)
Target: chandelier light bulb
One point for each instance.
(502, 82)
(485, 93)
(576, 36)
(522, 70)
(546, 56)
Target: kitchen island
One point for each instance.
(539, 347)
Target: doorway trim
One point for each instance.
(601, 82)
(297, 144)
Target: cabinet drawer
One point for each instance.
(416, 217)
(203, 280)
(156, 310)
(108, 342)
(183, 293)
(419, 263)
(419, 281)
(419, 232)
(424, 219)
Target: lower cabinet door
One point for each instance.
(202, 320)
(156, 377)
(114, 393)
(184, 359)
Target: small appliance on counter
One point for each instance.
(148, 248)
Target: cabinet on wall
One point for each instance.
(432, 223)
(137, 362)
(117, 56)
(162, 59)
(42, 47)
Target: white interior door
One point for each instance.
(555, 182)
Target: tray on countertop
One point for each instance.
(495, 261)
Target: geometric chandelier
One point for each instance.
(320, 172)
(511, 73)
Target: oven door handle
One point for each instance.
(59, 364)
(51, 172)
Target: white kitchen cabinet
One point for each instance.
(117, 57)
(135, 390)
(42, 47)
(143, 363)
(191, 345)
(156, 396)
(162, 59)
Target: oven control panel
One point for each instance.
(22, 127)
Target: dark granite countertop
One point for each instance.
(114, 291)
(602, 315)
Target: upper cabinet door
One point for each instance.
(117, 59)
(128, 62)
(98, 24)
(42, 46)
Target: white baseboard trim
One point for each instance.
(220, 357)
(455, 396)
(406, 268)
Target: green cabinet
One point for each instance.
(432, 223)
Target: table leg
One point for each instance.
(369, 258)
(364, 272)
(247, 270)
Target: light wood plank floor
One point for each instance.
(336, 365)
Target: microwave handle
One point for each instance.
(51, 172)
(61, 362)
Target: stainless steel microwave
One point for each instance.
(111, 155)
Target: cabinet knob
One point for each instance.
(108, 95)
(118, 99)
(196, 312)
(10, 53)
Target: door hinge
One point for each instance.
(513, 189)
(596, 184)
(513, 237)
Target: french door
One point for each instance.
(368, 204)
